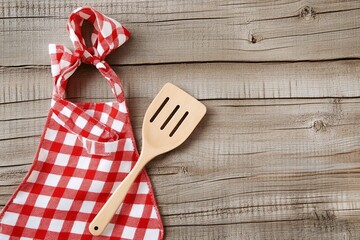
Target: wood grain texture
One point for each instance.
(203, 80)
(192, 31)
(277, 155)
(250, 171)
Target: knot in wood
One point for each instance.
(184, 170)
(319, 125)
(254, 38)
(307, 13)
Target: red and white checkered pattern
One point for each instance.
(85, 151)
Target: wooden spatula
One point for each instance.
(169, 120)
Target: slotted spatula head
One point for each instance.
(170, 119)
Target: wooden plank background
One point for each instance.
(278, 154)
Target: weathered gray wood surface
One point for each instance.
(278, 154)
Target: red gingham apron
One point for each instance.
(85, 151)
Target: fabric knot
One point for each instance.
(107, 35)
(90, 60)
(78, 53)
(91, 56)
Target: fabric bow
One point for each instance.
(107, 35)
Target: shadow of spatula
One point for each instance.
(168, 122)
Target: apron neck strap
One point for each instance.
(107, 35)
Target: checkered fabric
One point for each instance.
(85, 151)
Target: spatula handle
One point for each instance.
(104, 216)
